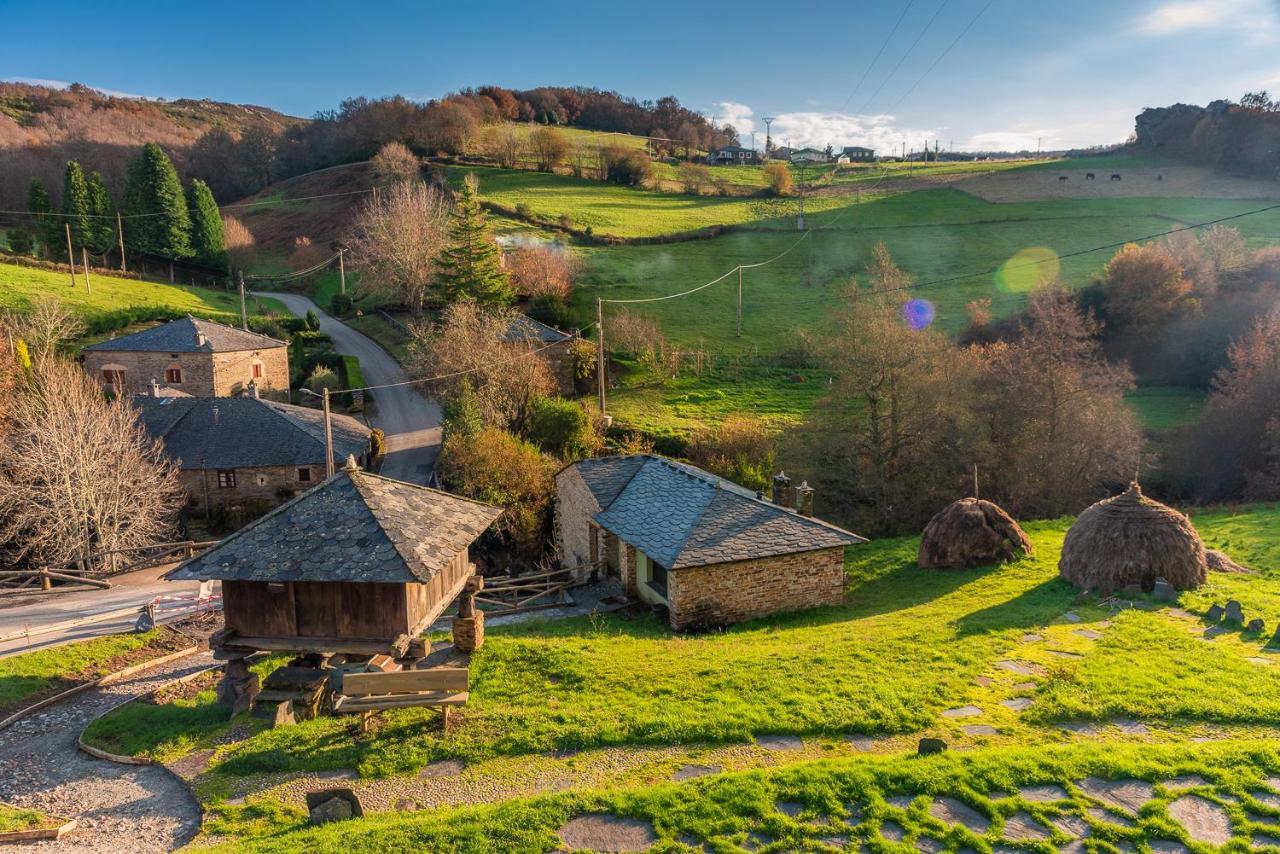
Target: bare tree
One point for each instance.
(483, 347)
(549, 148)
(48, 324)
(542, 270)
(503, 144)
(694, 177)
(395, 163)
(78, 473)
(395, 238)
(239, 241)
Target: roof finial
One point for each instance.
(351, 465)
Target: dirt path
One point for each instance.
(411, 422)
(118, 807)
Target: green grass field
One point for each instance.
(1165, 407)
(20, 286)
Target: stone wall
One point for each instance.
(721, 594)
(575, 507)
(263, 486)
(203, 374)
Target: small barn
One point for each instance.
(708, 550)
(360, 564)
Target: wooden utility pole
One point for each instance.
(600, 363)
(120, 238)
(975, 480)
(342, 273)
(328, 435)
(71, 258)
(739, 300)
(244, 316)
(84, 260)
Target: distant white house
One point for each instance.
(809, 155)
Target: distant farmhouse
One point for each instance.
(554, 347)
(708, 550)
(809, 155)
(198, 357)
(782, 152)
(243, 452)
(856, 154)
(731, 154)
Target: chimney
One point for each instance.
(155, 387)
(215, 416)
(804, 499)
(200, 339)
(252, 389)
(782, 489)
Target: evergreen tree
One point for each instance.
(471, 265)
(102, 225)
(154, 201)
(75, 204)
(47, 226)
(207, 241)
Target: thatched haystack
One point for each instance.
(1131, 539)
(971, 532)
(1219, 562)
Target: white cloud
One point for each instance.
(1256, 20)
(819, 129)
(739, 116)
(64, 84)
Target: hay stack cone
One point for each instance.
(968, 533)
(1131, 539)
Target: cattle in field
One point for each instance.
(1088, 176)
(1115, 177)
(1159, 177)
(1061, 178)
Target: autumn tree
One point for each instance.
(153, 199)
(476, 345)
(694, 177)
(395, 163)
(549, 148)
(239, 242)
(79, 474)
(539, 269)
(503, 144)
(1145, 287)
(778, 178)
(470, 265)
(624, 165)
(395, 238)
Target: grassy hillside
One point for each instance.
(20, 286)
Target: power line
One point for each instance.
(876, 58)
(941, 56)
(904, 56)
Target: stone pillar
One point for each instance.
(238, 687)
(468, 626)
(782, 489)
(804, 499)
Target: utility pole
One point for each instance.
(120, 237)
(71, 258)
(84, 258)
(768, 137)
(800, 218)
(753, 141)
(244, 315)
(342, 271)
(739, 300)
(328, 435)
(600, 363)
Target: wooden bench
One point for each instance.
(438, 687)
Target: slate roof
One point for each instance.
(682, 516)
(247, 432)
(525, 328)
(355, 527)
(179, 336)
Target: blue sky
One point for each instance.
(1070, 73)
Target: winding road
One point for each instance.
(410, 421)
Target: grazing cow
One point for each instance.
(1061, 178)
(1088, 176)
(1159, 177)
(1115, 177)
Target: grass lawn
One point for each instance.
(14, 819)
(28, 676)
(20, 286)
(906, 645)
(1164, 407)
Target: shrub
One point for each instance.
(629, 167)
(778, 178)
(20, 241)
(342, 304)
(562, 427)
(742, 448)
(524, 211)
(565, 221)
(536, 269)
(377, 447)
(461, 415)
(551, 310)
(694, 177)
(312, 321)
(322, 377)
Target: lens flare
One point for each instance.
(1028, 269)
(918, 313)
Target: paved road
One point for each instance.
(410, 421)
(117, 607)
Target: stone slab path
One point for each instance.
(135, 808)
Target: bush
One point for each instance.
(377, 447)
(629, 167)
(742, 448)
(778, 176)
(342, 304)
(20, 241)
(551, 310)
(562, 427)
(312, 321)
(322, 377)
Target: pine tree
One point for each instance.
(471, 265)
(48, 227)
(102, 225)
(207, 241)
(75, 204)
(154, 201)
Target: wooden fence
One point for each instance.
(98, 568)
(526, 592)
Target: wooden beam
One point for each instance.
(353, 646)
(406, 681)
(345, 705)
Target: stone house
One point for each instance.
(245, 455)
(709, 551)
(199, 357)
(554, 347)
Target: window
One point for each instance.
(257, 370)
(658, 577)
(173, 375)
(304, 474)
(113, 376)
(226, 478)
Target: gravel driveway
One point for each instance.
(410, 421)
(118, 807)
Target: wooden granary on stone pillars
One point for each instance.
(347, 576)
